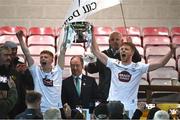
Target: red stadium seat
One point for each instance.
(175, 31)
(155, 31)
(11, 30)
(75, 50)
(176, 40)
(102, 31)
(130, 31)
(103, 47)
(41, 36)
(36, 50)
(102, 40)
(8, 33)
(155, 40)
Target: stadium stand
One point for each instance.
(102, 31)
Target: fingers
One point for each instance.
(21, 67)
(20, 34)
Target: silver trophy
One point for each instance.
(78, 32)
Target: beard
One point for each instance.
(5, 70)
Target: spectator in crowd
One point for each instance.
(33, 100)
(161, 115)
(22, 79)
(139, 111)
(115, 41)
(79, 89)
(47, 78)
(101, 111)
(8, 92)
(126, 75)
(116, 110)
(151, 112)
(52, 114)
(8, 97)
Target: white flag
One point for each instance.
(81, 9)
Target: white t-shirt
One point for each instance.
(125, 81)
(49, 85)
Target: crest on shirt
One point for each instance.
(124, 76)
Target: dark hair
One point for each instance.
(80, 57)
(116, 109)
(151, 113)
(33, 97)
(130, 44)
(101, 111)
(47, 52)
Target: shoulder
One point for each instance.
(67, 79)
(88, 78)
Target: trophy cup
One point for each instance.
(78, 32)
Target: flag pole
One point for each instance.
(124, 22)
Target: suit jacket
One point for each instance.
(88, 94)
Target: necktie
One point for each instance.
(78, 87)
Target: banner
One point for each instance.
(81, 9)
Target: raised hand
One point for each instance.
(20, 35)
(21, 68)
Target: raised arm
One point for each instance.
(61, 55)
(164, 60)
(95, 49)
(24, 48)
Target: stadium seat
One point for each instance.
(66, 72)
(175, 31)
(155, 40)
(102, 31)
(36, 50)
(41, 36)
(171, 63)
(163, 76)
(176, 40)
(140, 50)
(12, 30)
(156, 50)
(103, 47)
(178, 64)
(8, 33)
(102, 40)
(130, 31)
(67, 61)
(58, 31)
(133, 32)
(177, 52)
(144, 79)
(75, 50)
(155, 31)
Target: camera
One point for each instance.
(4, 83)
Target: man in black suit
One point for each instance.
(78, 89)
